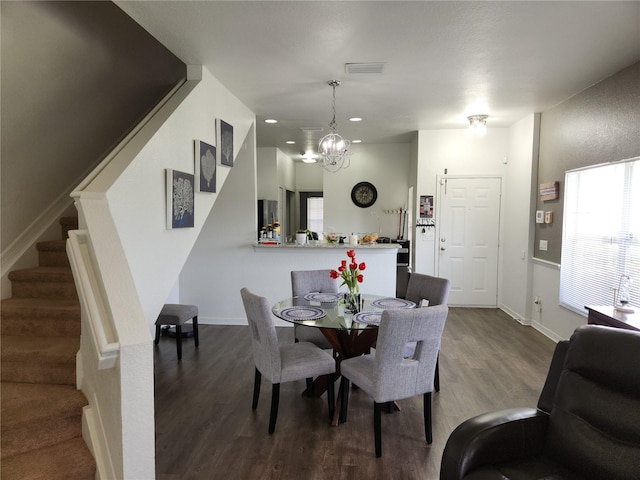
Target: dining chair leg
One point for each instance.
(427, 417)
(436, 379)
(331, 395)
(275, 399)
(256, 389)
(377, 427)
(344, 398)
(179, 340)
(195, 331)
(309, 387)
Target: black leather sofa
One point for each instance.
(586, 424)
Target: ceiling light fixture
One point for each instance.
(271, 120)
(478, 124)
(355, 119)
(308, 157)
(333, 149)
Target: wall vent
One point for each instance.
(364, 67)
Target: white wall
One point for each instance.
(137, 198)
(459, 154)
(518, 232)
(267, 173)
(387, 167)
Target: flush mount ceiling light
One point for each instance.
(333, 149)
(308, 157)
(271, 120)
(478, 124)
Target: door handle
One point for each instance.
(442, 248)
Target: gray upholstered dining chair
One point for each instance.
(425, 289)
(387, 375)
(282, 363)
(311, 281)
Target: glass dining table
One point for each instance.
(350, 334)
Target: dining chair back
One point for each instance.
(282, 363)
(426, 290)
(387, 375)
(426, 287)
(311, 281)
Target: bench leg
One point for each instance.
(195, 330)
(179, 340)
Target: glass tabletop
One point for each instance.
(328, 311)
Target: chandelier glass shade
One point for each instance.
(332, 148)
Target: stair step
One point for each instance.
(69, 460)
(66, 224)
(39, 359)
(43, 282)
(53, 253)
(36, 416)
(41, 317)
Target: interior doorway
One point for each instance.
(468, 238)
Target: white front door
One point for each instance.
(469, 217)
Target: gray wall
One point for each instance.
(600, 124)
(76, 77)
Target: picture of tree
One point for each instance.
(180, 199)
(205, 155)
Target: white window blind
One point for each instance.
(315, 213)
(601, 234)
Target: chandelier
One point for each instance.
(478, 124)
(333, 149)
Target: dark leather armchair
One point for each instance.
(586, 426)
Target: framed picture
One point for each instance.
(426, 206)
(549, 191)
(224, 137)
(205, 171)
(180, 199)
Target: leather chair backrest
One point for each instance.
(594, 427)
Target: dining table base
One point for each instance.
(346, 344)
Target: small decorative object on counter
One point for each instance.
(351, 277)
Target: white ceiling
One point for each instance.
(443, 60)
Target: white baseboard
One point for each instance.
(93, 435)
(236, 321)
(516, 316)
(546, 332)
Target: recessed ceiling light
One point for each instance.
(290, 142)
(271, 120)
(355, 119)
(356, 141)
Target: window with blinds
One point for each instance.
(601, 234)
(315, 214)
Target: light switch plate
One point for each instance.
(543, 245)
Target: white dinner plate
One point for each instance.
(323, 297)
(386, 303)
(368, 318)
(302, 313)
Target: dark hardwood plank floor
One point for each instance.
(205, 428)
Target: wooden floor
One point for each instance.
(205, 428)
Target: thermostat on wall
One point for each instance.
(539, 216)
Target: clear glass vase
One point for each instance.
(352, 302)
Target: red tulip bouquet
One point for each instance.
(351, 277)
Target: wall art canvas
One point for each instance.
(205, 171)
(224, 136)
(180, 199)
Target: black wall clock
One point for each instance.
(364, 194)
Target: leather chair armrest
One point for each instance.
(492, 438)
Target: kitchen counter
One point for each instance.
(336, 246)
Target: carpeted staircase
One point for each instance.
(41, 427)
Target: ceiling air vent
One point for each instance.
(364, 67)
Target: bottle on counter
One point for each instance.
(269, 231)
